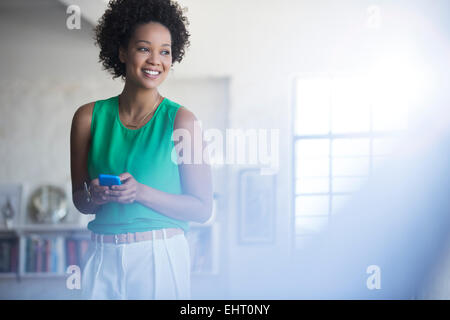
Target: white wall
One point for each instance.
(47, 71)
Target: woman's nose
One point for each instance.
(153, 58)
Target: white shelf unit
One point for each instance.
(8, 275)
(60, 234)
(51, 228)
(23, 227)
(205, 257)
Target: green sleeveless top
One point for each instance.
(145, 153)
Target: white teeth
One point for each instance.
(154, 73)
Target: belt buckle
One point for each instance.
(116, 239)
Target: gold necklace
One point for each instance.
(154, 108)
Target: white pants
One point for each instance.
(154, 269)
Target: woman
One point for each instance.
(139, 247)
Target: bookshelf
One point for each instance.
(30, 250)
(42, 254)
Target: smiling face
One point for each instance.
(149, 55)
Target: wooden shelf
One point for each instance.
(51, 227)
(43, 228)
(8, 275)
(5, 231)
(33, 275)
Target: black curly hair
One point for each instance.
(118, 23)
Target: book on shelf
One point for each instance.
(76, 250)
(14, 266)
(39, 255)
(8, 255)
(53, 254)
(47, 254)
(71, 255)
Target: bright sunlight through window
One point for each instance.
(344, 129)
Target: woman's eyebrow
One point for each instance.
(164, 45)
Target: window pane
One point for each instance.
(389, 116)
(351, 147)
(384, 146)
(319, 167)
(311, 205)
(312, 185)
(347, 184)
(312, 158)
(312, 114)
(312, 148)
(350, 106)
(351, 166)
(310, 225)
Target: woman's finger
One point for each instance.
(100, 188)
(119, 187)
(124, 176)
(120, 193)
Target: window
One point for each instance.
(343, 131)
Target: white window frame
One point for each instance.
(370, 134)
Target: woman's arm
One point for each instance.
(195, 202)
(80, 136)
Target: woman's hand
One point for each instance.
(127, 192)
(98, 192)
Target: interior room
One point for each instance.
(330, 126)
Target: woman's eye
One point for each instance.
(165, 52)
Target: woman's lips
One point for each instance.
(151, 76)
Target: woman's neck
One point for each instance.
(136, 101)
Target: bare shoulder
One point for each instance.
(81, 122)
(184, 118)
(83, 115)
(88, 106)
(85, 111)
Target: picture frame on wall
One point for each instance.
(257, 196)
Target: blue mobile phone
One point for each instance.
(108, 180)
